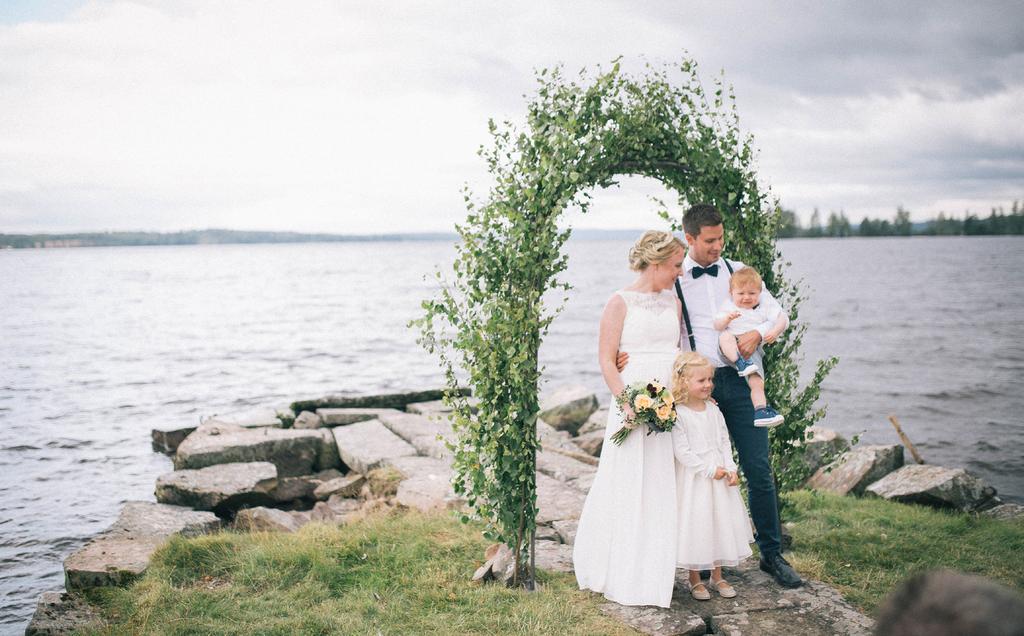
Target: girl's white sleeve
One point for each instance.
(724, 444)
(685, 455)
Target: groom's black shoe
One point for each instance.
(781, 570)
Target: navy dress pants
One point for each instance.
(751, 443)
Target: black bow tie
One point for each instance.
(710, 270)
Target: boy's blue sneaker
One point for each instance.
(767, 416)
(745, 368)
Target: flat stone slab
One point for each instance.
(166, 439)
(552, 438)
(590, 443)
(345, 486)
(59, 613)
(262, 519)
(933, 486)
(425, 434)
(657, 621)
(383, 401)
(122, 552)
(566, 529)
(294, 452)
(222, 488)
(345, 416)
(554, 556)
(308, 420)
(1006, 512)
(557, 501)
(597, 421)
(427, 485)
(822, 445)
(562, 467)
(364, 446)
(568, 408)
(857, 469)
(437, 407)
(256, 417)
(302, 486)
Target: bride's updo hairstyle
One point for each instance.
(653, 247)
(685, 364)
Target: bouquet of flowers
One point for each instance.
(653, 406)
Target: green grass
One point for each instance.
(864, 547)
(387, 574)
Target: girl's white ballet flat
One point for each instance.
(700, 592)
(724, 589)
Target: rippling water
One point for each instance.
(102, 344)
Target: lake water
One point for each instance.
(100, 345)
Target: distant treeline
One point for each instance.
(195, 237)
(837, 225)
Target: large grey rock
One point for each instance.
(566, 529)
(122, 553)
(568, 408)
(346, 486)
(386, 401)
(550, 437)
(366, 445)
(590, 443)
(345, 416)
(821, 446)
(1006, 512)
(426, 484)
(59, 613)
(328, 457)
(425, 434)
(294, 452)
(934, 486)
(222, 488)
(166, 439)
(302, 486)
(438, 407)
(554, 556)
(857, 469)
(262, 519)
(657, 621)
(597, 421)
(557, 501)
(257, 417)
(307, 420)
(562, 467)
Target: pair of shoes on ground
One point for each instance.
(745, 367)
(781, 571)
(766, 416)
(700, 592)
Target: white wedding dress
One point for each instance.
(626, 540)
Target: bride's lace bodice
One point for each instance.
(651, 324)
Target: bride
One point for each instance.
(626, 541)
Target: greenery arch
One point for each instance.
(489, 319)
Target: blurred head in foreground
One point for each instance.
(946, 603)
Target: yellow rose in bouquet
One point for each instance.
(664, 411)
(643, 401)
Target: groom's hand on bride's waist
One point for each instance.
(747, 342)
(621, 358)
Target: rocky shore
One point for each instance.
(333, 459)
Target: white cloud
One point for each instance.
(344, 117)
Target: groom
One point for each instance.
(702, 288)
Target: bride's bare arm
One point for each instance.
(608, 342)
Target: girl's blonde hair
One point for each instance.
(652, 248)
(685, 363)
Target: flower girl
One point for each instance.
(713, 526)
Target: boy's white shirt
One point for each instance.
(748, 320)
(703, 296)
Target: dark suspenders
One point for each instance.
(686, 314)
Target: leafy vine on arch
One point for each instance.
(488, 319)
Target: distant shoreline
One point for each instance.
(243, 237)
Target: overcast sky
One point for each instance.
(358, 117)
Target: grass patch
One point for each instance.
(864, 547)
(398, 573)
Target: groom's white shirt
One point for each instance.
(703, 298)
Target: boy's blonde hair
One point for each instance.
(685, 363)
(745, 277)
